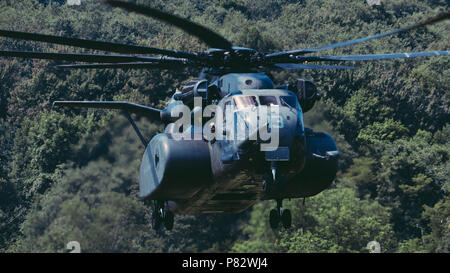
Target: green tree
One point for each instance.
(389, 119)
(413, 173)
(377, 132)
(334, 221)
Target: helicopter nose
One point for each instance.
(284, 125)
(289, 153)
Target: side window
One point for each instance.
(290, 101)
(245, 101)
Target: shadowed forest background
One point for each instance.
(72, 175)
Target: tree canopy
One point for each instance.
(72, 174)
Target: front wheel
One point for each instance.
(274, 218)
(286, 218)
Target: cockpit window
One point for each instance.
(268, 100)
(290, 101)
(245, 101)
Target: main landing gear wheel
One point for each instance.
(156, 220)
(274, 218)
(161, 216)
(286, 218)
(168, 220)
(279, 215)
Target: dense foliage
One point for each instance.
(72, 174)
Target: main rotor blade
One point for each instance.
(135, 65)
(289, 66)
(441, 17)
(80, 57)
(211, 38)
(371, 57)
(98, 45)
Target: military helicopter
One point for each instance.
(182, 171)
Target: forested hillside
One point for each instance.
(72, 175)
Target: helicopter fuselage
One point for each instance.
(227, 173)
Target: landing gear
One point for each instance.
(279, 215)
(168, 220)
(286, 218)
(274, 218)
(272, 184)
(161, 215)
(156, 220)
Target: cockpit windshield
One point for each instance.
(245, 101)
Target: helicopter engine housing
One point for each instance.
(306, 92)
(194, 88)
(172, 169)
